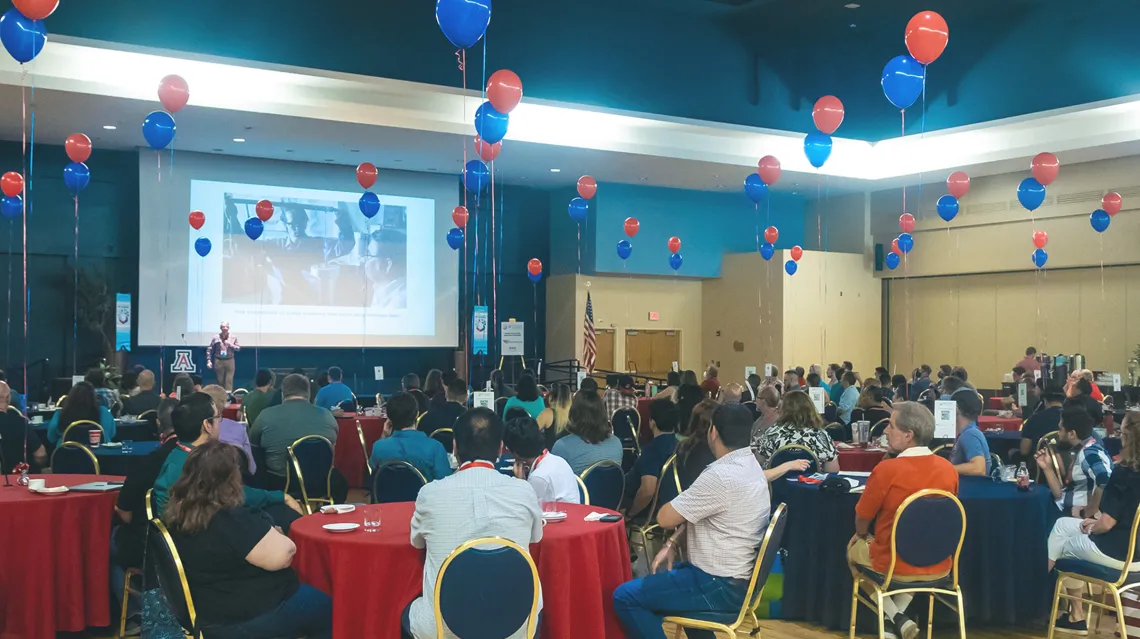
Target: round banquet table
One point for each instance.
(347, 455)
(986, 422)
(994, 403)
(113, 461)
(1002, 567)
(372, 577)
(55, 558)
(860, 459)
(231, 411)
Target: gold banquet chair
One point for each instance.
(469, 608)
(746, 619)
(86, 425)
(315, 453)
(172, 578)
(931, 525)
(668, 487)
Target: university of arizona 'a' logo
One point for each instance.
(183, 363)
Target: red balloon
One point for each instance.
(173, 93)
(504, 90)
(534, 266)
(459, 215)
(958, 184)
(906, 222)
(78, 147)
(487, 152)
(895, 247)
(1040, 239)
(36, 9)
(197, 219)
(771, 234)
(769, 169)
(1111, 203)
(797, 252)
(827, 115)
(366, 174)
(1045, 167)
(264, 210)
(927, 35)
(632, 226)
(12, 184)
(587, 187)
(674, 244)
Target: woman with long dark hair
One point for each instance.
(527, 397)
(693, 452)
(79, 404)
(237, 564)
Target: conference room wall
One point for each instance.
(984, 322)
(835, 224)
(743, 315)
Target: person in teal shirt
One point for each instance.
(409, 444)
(196, 422)
(80, 404)
(835, 387)
(526, 397)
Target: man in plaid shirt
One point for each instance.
(1078, 494)
(624, 396)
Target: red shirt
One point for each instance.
(890, 484)
(711, 386)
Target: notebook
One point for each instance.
(97, 487)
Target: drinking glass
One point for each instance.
(371, 518)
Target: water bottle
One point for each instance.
(1023, 478)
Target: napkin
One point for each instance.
(595, 516)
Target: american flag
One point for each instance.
(590, 346)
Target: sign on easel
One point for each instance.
(511, 339)
(483, 400)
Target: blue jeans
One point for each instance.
(642, 604)
(308, 613)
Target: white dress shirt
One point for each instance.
(553, 480)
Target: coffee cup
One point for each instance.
(36, 484)
(94, 435)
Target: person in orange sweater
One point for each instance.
(913, 468)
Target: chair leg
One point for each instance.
(1056, 605)
(961, 613)
(879, 614)
(1119, 613)
(854, 608)
(126, 597)
(930, 619)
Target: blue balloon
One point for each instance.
(755, 188)
(158, 129)
(767, 250)
(1099, 220)
(476, 176)
(1030, 193)
(790, 266)
(369, 204)
(76, 176)
(254, 227)
(22, 37)
(903, 78)
(892, 260)
(624, 249)
(675, 261)
(817, 148)
(11, 206)
(490, 124)
(202, 246)
(947, 207)
(906, 242)
(455, 238)
(578, 208)
(533, 277)
(1039, 257)
(463, 21)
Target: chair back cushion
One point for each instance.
(315, 457)
(395, 481)
(793, 453)
(472, 610)
(830, 412)
(605, 482)
(162, 557)
(444, 436)
(500, 406)
(77, 431)
(666, 486)
(73, 459)
(771, 549)
(928, 530)
(626, 422)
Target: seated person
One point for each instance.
(238, 565)
(444, 415)
(195, 422)
(477, 501)
(260, 397)
(106, 396)
(722, 518)
(1079, 494)
(556, 417)
(549, 474)
(673, 382)
(874, 405)
(710, 387)
(642, 482)
(18, 400)
(337, 392)
(1082, 391)
(527, 396)
(799, 423)
(591, 437)
(229, 431)
(971, 454)
(848, 397)
(1044, 421)
(146, 399)
(80, 404)
(910, 469)
(768, 405)
(18, 440)
(1103, 540)
(693, 452)
(408, 444)
(621, 395)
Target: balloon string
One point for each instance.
(27, 298)
(75, 293)
(494, 269)
(756, 216)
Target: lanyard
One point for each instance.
(478, 463)
(538, 460)
(184, 447)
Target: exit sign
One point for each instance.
(654, 316)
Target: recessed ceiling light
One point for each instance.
(555, 170)
(851, 5)
(643, 179)
(239, 139)
(110, 127)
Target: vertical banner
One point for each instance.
(122, 321)
(479, 331)
(512, 339)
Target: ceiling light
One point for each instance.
(555, 170)
(851, 5)
(239, 139)
(110, 127)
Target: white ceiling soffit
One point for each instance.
(1084, 133)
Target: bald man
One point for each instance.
(146, 399)
(18, 442)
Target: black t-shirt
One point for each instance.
(692, 464)
(1121, 499)
(131, 539)
(226, 588)
(439, 417)
(141, 403)
(1043, 422)
(654, 455)
(13, 431)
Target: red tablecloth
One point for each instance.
(986, 422)
(860, 459)
(995, 403)
(231, 411)
(54, 559)
(372, 577)
(348, 458)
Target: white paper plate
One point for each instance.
(341, 527)
(58, 490)
(112, 445)
(553, 516)
(337, 509)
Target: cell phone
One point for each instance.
(610, 518)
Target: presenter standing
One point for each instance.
(220, 356)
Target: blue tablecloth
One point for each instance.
(1002, 568)
(113, 461)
